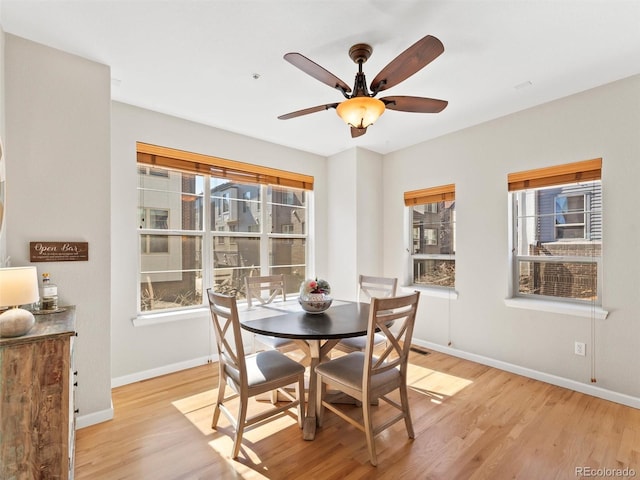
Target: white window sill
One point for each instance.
(146, 320)
(432, 291)
(587, 311)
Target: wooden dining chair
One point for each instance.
(256, 287)
(369, 287)
(250, 375)
(366, 377)
(264, 290)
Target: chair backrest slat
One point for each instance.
(255, 286)
(394, 317)
(376, 287)
(226, 326)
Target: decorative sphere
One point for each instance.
(16, 322)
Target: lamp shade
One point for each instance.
(18, 286)
(360, 112)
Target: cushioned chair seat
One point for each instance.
(359, 343)
(265, 367)
(274, 342)
(349, 370)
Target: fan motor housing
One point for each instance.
(360, 52)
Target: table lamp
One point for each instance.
(18, 286)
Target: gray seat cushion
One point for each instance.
(359, 343)
(348, 370)
(266, 366)
(273, 342)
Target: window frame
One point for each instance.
(153, 231)
(534, 181)
(160, 158)
(585, 212)
(431, 198)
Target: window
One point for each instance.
(224, 202)
(158, 172)
(431, 207)
(431, 236)
(433, 219)
(215, 228)
(155, 219)
(287, 198)
(570, 216)
(557, 232)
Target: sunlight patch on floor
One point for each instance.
(247, 464)
(199, 410)
(437, 385)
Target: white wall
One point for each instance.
(603, 122)
(57, 164)
(141, 351)
(370, 222)
(3, 230)
(356, 223)
(341, 269)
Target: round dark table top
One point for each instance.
(339, 321)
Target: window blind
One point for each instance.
(584, 171)
(219, 167)
(430, 195)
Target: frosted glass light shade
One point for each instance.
(18, 286)
(360, 112)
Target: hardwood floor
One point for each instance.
(471, 422)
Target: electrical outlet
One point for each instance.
(580, 348)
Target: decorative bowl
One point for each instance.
(315, 302)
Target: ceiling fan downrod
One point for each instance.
(360, 53)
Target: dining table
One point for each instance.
(315, 333)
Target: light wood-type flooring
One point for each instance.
(471, 422)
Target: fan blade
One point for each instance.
(358, 132)
(417, 56)
(307, 111)
(316, 71)
(414, 104)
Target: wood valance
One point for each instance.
(584, 171)
(155, 155)
(441, 193)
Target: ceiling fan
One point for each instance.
(360, 109)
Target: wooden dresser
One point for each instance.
(37, 412)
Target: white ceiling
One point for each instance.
(197, 59)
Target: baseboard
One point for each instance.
(163, 370)
(94, 418)
(592, 390)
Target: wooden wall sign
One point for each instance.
(59, 251)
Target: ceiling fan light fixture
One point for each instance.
(360, 112)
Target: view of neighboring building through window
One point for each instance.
(257, 230)
(557, 239)
(433, 236)
(199, 231)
